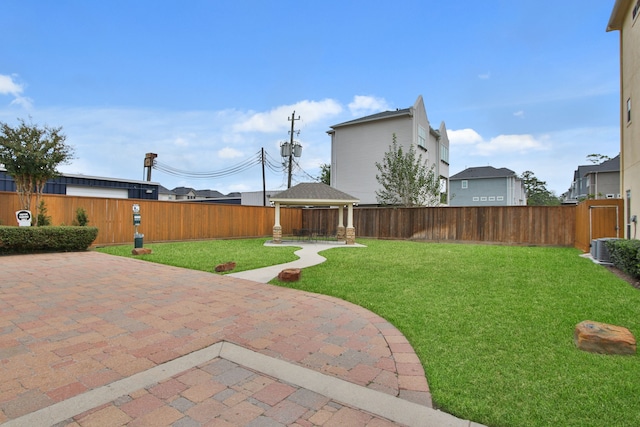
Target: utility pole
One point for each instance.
(292, 119)
(148, 164)
(264, 185)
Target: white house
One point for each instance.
(358, 144)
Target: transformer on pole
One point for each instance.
(292, 148)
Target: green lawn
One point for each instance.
(493, 326)
(205, 255)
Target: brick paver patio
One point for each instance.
(74, 322)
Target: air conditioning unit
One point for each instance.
(594, 249)
(602, 252)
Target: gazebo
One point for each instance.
(317, 194)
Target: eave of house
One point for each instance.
(620, 8)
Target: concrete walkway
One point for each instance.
(308, 255)
(90, 339)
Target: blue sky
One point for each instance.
(526, 84)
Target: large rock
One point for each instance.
(227, 266)
(290, 275)
(141, 251)
(599, 337)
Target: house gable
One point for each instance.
(357, 145)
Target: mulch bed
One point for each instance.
(624, 276)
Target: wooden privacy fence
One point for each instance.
(175, 221)
(160, 220)
(597, 219)
(529, 225)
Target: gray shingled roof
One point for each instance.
(309, 191)
(164, 190)
(483, 172)
(211, 194)
(377, 116)
(181, 191)
(611, 165)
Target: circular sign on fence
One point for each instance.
(24, 218)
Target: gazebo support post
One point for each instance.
(277, 228)
(340, 231)
(351, 231)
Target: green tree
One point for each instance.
(405, 179)
(31, 154)
(537, 193)
(325, 174)
(82, 219)
(43, 219)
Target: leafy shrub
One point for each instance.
(45, 239)
(43, 219)
(81, 218)
(625, 255)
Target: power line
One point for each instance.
(232, 170)
(314, 178)
(277, 166)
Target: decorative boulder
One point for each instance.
(227, 266)
(599, 337)
(290, 275)
(141, 251)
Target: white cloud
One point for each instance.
(276, 119)
(463, 137)
(501, 144)
(9, 87)
(365, 105)
(519, 113)
(229, 153)
(485, 76)
(505, 144)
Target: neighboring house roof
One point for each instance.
(164, 190)
(611, 165)
(209, 194)
(382, 116)
(310, 193)
(182, 191)
(377, 116)
(483, 172)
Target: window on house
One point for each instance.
(492, 198)
(422, 137)
(610, 196)
(483, 199)
(444, 154)
(629, 110)
(500, 198)
(465, 183)
(476, 199)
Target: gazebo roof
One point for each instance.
(313, 193)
